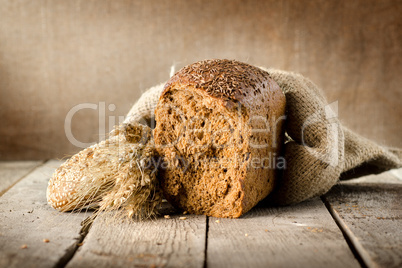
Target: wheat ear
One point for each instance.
(116, 174)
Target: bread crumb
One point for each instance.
(246, 235)
(46, 240)
(167, 216)
(217, 221)
(24, 246)
(207, 99)
(182, 218)
(185, 212)
(80, 244)
(266, 230)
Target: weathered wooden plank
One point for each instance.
(397, 173)
(162, 242)
(371, 215)
(11, 172)
(26, 220)
(392, 176)
(303, 235)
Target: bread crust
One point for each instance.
(234, 84)
(228, 81)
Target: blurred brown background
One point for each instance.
(57, 54)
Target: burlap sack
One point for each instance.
(317, 147)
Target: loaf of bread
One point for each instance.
(219, 130)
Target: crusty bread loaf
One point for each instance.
(219, 129)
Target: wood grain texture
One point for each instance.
(27, 219)
(11, 172)
(58, 54)
(162, 242)
(303, 235)
(391, 176)
(372, 215)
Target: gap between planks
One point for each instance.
(358, 250)
(301, 235)
(27, 219)
(72, 250)
(13, 172)
(206, 241)
(369, 215)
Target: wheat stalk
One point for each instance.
(117, 174)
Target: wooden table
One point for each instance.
(358, 223)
